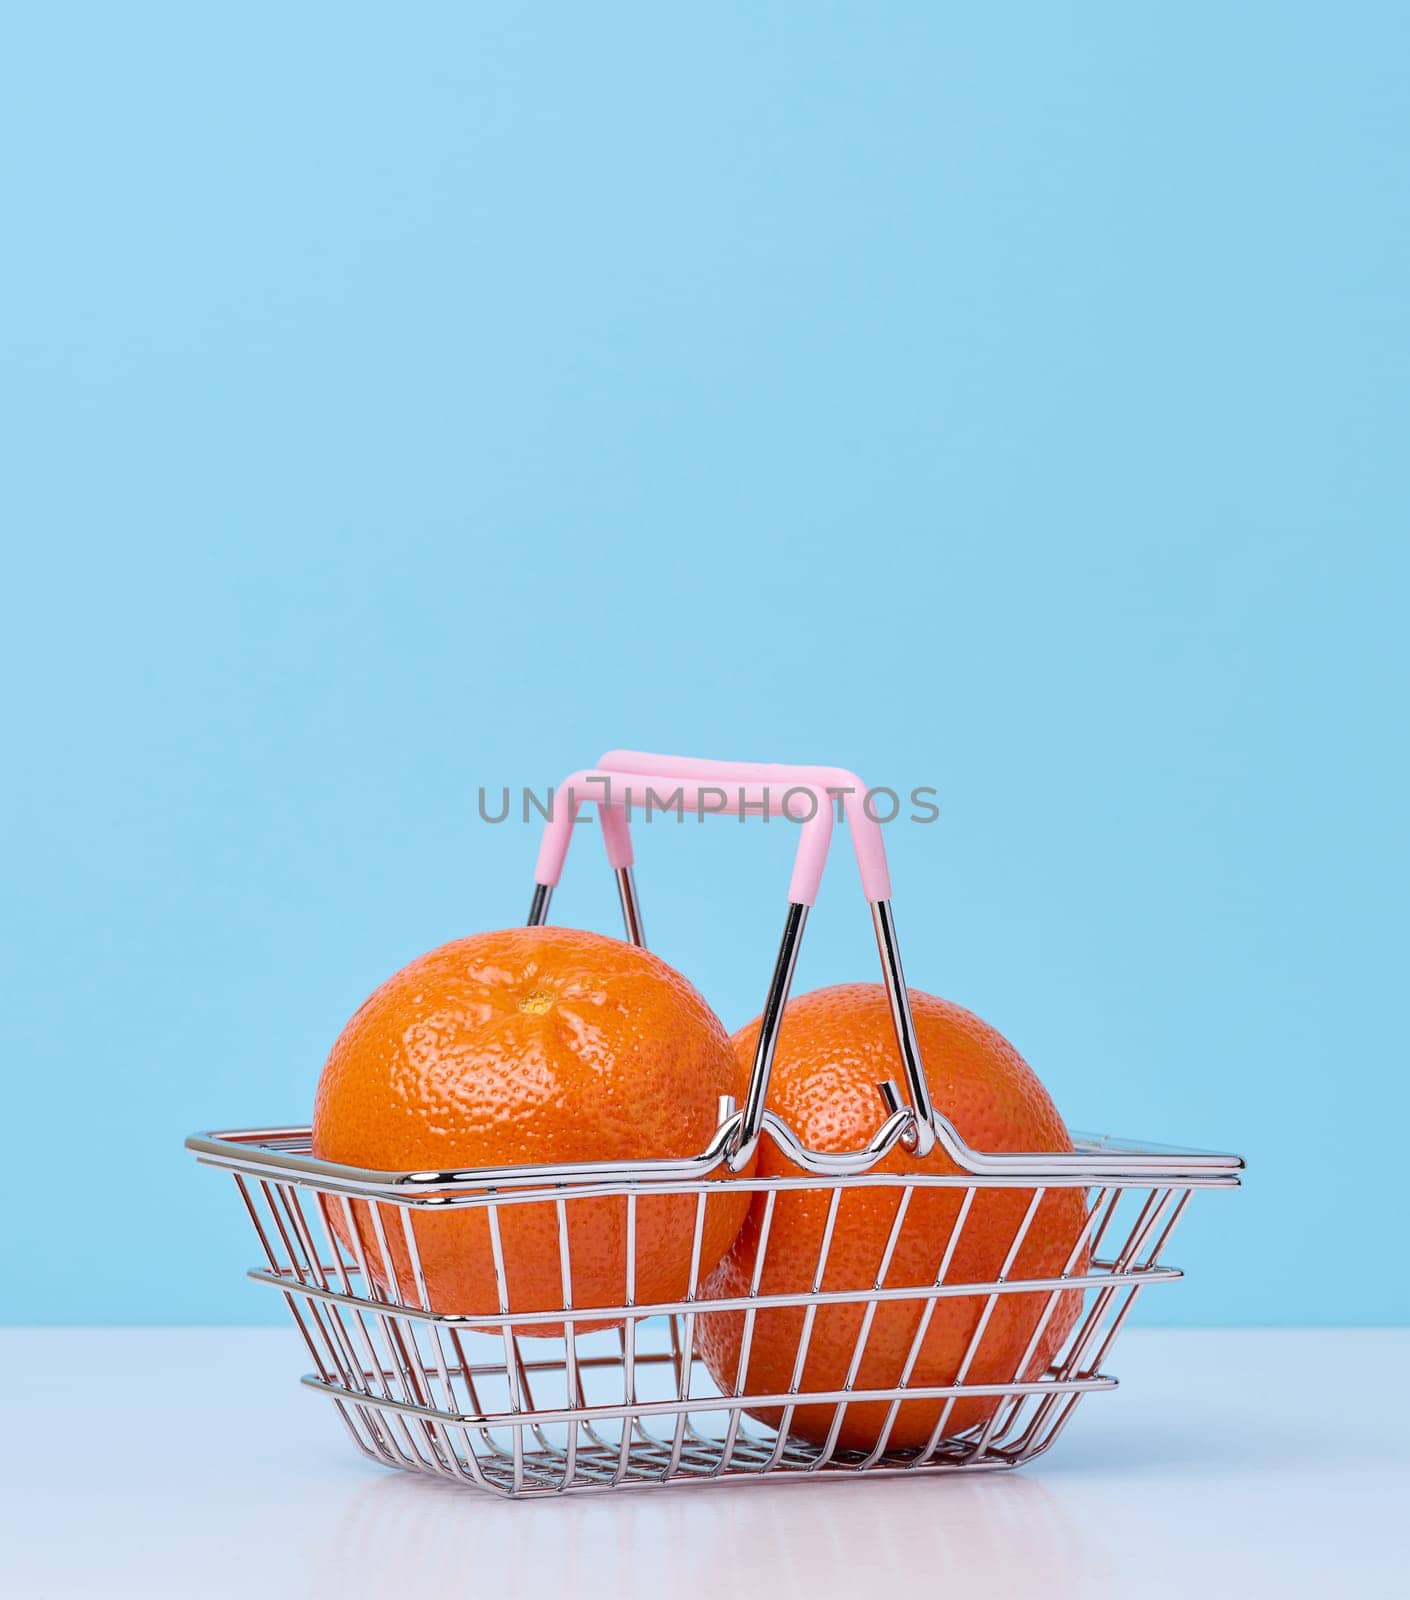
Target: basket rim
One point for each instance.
(1095, 1158)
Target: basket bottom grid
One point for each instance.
(647, 1462)
(704, 1437)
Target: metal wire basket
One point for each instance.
(543, 1402)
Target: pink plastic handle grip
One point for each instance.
(866, 830)
(577, 788)
(608, 791)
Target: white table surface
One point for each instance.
(181, 1461)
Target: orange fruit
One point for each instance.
(834, 1046)
(525, 1047)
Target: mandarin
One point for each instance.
(526, 1047)
(834, 1046)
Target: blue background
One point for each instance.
(1008, 399)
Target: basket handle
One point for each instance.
(875, 874)
(757, 787)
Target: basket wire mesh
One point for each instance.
(487, 1403)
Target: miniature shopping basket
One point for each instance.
(579, 1407)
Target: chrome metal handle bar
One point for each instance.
(870, 849)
